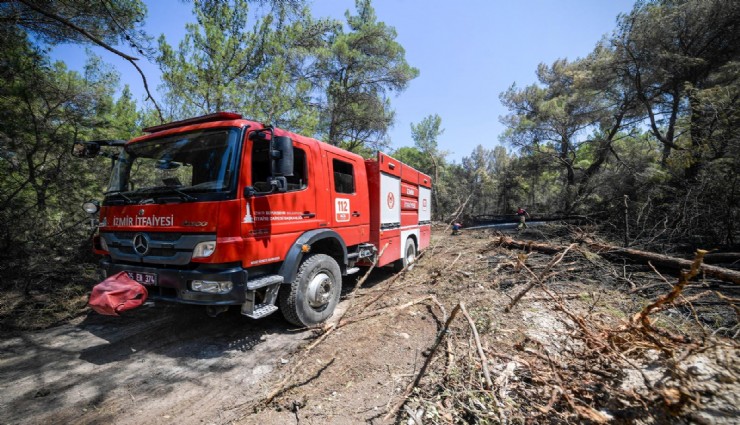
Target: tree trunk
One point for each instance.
(697, 132)
(658, 260)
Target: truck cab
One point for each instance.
(220, 210)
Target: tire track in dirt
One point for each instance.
(151, 366)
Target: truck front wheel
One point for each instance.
(314, 293)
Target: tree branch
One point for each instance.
(99, 42)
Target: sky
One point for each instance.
(467, 52)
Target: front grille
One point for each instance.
(164, 247)
(162, 252)
(157, 252)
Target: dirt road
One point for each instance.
(152, 366)
(163, 364)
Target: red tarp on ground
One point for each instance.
(117, 293)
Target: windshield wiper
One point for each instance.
(165, 189)
(183, 195)
(127, 200)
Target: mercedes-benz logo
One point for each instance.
(141, 243)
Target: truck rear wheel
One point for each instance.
(408, 257)
(314, 293)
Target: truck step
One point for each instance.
(261, 310)
(352, 270)
(262, 281)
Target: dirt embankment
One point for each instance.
(563, 351)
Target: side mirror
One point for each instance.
(85, 149)
(277, 185)
(281, 153)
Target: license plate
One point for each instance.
(143, 278)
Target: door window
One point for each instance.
(261, 168)
(344, 178)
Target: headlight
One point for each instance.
(103, 244)
(91, 207)
(204, 249)
(211, 286)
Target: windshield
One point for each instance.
(192, 166)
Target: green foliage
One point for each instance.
(359, 69)
(45, 108)
(425, 136)
(414, 157)
(216, 62)
(289, 69)
(79, 21)
(650, 114)
(669, 51)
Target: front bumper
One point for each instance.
(172, 284)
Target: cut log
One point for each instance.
(658, 260)
(665, 261)
(530, 246)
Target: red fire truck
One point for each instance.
(219, 211)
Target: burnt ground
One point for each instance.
(572, 349)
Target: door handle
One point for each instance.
(308, 214)
(355, 213)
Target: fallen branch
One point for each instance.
(483, 359)
(666, 261)
(387, 288)
(82, 31)
(661, 260)
(453, 263)
(539, 280)
(440, 336)
(731, 302)
(646, 287)
(642, 316)
(282, 386)
(381, 311)
(562, 297)
(359, 283)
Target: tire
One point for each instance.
(408, 256)
(314, 293)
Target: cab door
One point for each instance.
(349, 203)
(272, 222)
